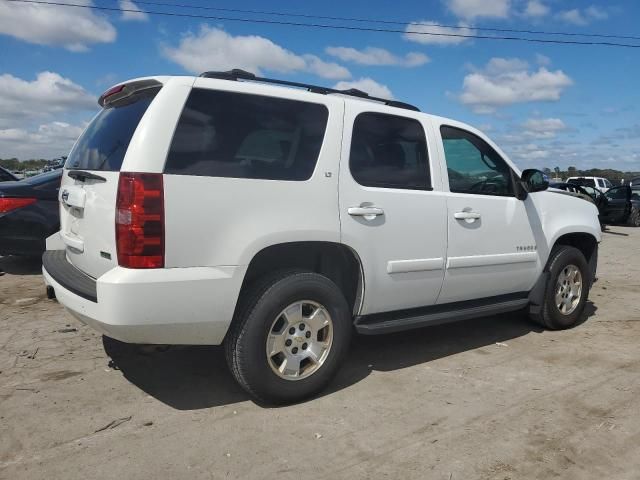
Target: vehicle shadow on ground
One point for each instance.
(193, 377)
(611, 232)
(13, 265)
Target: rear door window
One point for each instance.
(389, 151)
(227, 134)
(104, 142)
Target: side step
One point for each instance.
(397, 321)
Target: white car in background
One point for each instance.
(600, 183)
(224, 209)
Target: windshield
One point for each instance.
(103, 144)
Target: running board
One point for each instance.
(396, 321)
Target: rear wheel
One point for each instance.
(567, 289)
(634, 217)
(291, 332)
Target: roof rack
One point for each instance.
(237, 74)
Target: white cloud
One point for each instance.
(583, 17)
(542, 60)
(214, 49)
(543, 127)
(472, 9)
(367, 85)
(530, 152)
(536, 9)
(573, 16)
(72, 28)
(132, 12)
(324, 69)
(507, 81)
(49, 94)
(596, 13)
(417, 32)
(377, 56)
(49, 140)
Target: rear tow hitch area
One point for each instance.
(51, 293)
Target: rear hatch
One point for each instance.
(90, 180)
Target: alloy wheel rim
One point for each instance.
(299, 340)
(568, 289)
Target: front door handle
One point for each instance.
(369, 213)
(468, 217)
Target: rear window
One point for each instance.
(103, 144)
(584, 182)
(226, 134)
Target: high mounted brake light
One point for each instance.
(111, 91)
(125, 90)
(140, 220)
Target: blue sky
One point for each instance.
(546, 105)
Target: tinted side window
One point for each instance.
(226, 134)
(617, 193)
(473, 166)
(5, 176)
(389, 152)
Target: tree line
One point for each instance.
(15, 165)
(614, 176)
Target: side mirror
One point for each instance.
(534, 180)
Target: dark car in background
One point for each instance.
(29, 213)
(622, 206)
(7, 176)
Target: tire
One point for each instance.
(634, 217)
(261, 312)
(561, 260)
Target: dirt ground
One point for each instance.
(492, 398)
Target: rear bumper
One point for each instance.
(192, 306)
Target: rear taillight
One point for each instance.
(9, 204)
(140, 220)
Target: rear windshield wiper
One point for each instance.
(82, 175)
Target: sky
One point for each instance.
(546, 105)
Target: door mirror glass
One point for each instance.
(534, 180)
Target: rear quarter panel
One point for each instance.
(214, 221)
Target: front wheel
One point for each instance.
(291, 332)
(567, 289)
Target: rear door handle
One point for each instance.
(369, 213)
(466, 216)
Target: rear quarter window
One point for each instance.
(227, 134)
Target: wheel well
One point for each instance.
(333, 260)
(584, 242)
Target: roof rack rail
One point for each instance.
(237, 74)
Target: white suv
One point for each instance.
(224, 209)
